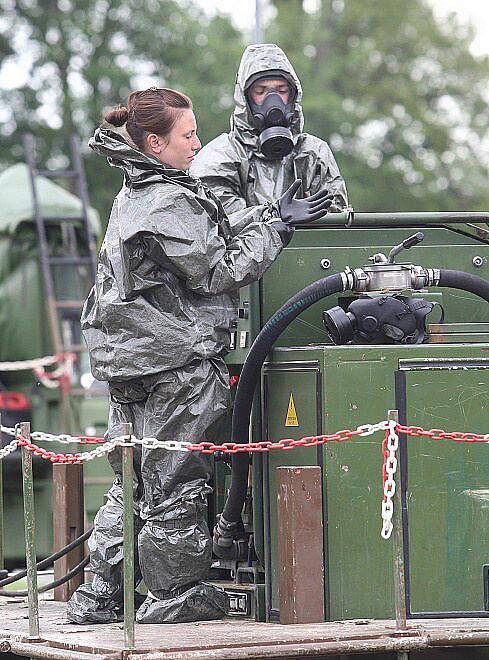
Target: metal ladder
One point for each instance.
(63, 314)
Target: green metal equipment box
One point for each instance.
(439, 384)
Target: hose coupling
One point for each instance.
(228, 538)
(432, 276)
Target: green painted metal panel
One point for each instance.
(358, 389)
(358, 386)
(448, 490)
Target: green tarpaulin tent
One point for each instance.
(24, 330)
(16, 205)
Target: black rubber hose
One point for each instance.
(49, 560)
(51, 585)
(249, 378)
(457, 279)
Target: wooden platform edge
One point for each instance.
(311, 649)
(45, 648)
(412, 639)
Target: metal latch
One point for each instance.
(243, 312)
(239, 603)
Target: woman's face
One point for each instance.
(178, 148)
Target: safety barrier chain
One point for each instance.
(390, 446)
(36, 363)
(61, 376)
(106, 446)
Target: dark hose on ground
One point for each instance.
(49, 560)
(52, 585)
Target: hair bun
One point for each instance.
(117, 116)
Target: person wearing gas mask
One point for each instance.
(266, 149)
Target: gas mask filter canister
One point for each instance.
(273, 118)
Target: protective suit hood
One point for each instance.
(266, 59)
(139, 169)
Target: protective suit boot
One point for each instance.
(198, 602)
(95, 602)
(101, 601)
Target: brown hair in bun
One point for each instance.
(117, 116)
(153, 110)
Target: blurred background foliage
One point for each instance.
(398, 96)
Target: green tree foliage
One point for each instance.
(87, 55)
(398, 96)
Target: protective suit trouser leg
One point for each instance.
(175, 546)
(171, 488)
(101, 601)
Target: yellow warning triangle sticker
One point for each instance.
(291, 419)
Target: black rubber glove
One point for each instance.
(301, 211)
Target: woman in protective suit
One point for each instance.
(157, 325)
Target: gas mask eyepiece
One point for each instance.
(273, 118)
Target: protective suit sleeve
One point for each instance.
(217, 166)
(192, 246)
(330, 179)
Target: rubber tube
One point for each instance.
(249, 378)
(52, 585)
(457, 279)
(49, 560)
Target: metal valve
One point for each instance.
(405, 245)
(385, 276)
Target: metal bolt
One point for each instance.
(5, 646)
(325, 264)
(478, 261)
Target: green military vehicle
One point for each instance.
(26, 335)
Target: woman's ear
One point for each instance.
(154, 143)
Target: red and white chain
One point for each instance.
(106, 446)
(59, 377)
(63, 438)
(21, 365)
(389, 447)
(8, 449)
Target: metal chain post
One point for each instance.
(2, 555)
(128, 547)
(30, 540)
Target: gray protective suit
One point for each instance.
(235, 169)
(157, 325)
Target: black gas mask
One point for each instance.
(273, 118)
(392, 319)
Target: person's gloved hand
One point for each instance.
(301, 211)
